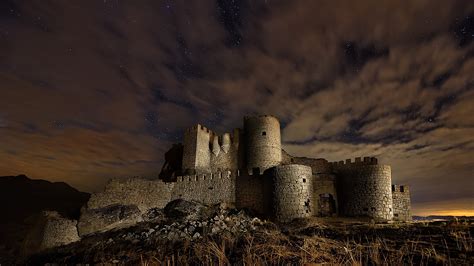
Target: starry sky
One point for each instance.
(94, 89)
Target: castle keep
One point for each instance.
(249, 169)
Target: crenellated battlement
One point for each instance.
(357, 161)
(199, 127)
(208, 176)
(400, 188)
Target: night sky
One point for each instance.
(94, 89)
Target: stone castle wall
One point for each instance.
(143, 193)
(365, 188)
(262, 143)
(196, 153)
(210, 188)
(292, 192)
(254, 192)
(318, 166)
(401, 203)
(206, 152)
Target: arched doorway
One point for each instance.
(327, 205)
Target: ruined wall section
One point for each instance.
(364, 188)
(209, 188)
(254, 192)
(143, 193)
(226, 152)
(292, 192)
(205, 151)
(263, 142)
(401, 203)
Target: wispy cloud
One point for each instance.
(108, 86)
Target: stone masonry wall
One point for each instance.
(50, 230)
(206, 152)
(292, 192)
(262, 142)
(196, 151)
(143, 193)
(254, 192)
(206, 188)
(401, 203)
(364, 188)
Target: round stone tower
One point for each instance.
(292, 193)
(263, 142)
(366, 190)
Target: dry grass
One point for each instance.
(274, 248)
(302, 243)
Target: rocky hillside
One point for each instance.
(22, 199)
(191, 233)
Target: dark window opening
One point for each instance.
(210, 188)
(396, 215)
(393, 188)
(402, 189)
(304, 180)
(373, 209)
(292, 160)
(264, 133)
(307, 211)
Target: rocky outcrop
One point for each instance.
(51, 230)
(107, 218)
(182, 209)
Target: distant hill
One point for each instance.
(22, 198)
(441, 217)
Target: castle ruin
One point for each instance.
(249, 169)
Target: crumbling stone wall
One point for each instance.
(50, 230)
(292, 192)
(364, 188)
(254, 192)
(143, 193)
(401, 203)
(206, 188)
(263, 142)
(205, 152)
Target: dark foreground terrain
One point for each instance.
(221, 236)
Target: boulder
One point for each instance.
(186, 210)
(50, 230)
(107, 218)
(153, 215)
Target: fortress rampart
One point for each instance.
(401, 203)
(365, 188)
(209, 188)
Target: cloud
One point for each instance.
(101, 89)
